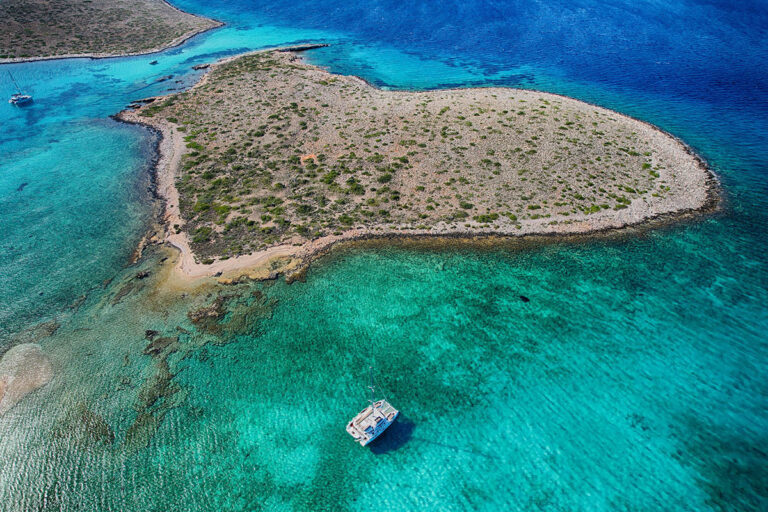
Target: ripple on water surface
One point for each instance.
(240, 398)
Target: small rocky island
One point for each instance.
(45, 28)
(268, 151)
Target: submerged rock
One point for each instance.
(232, 314)
(123, 292)
(165, 344)
(302, 47)
(142, 430)
(34, 334)
(207, 318)
(23, 369)
(158, 395)
(158, 387)
(96, 426)
(77, 302)
(82, 425)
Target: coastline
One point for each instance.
(297, 257)
(105, 55)
(171, 148)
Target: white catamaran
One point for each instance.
(374, 419)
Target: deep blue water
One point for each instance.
(636, 381)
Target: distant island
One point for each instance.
(268, 155)
(35, 29)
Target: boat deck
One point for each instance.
(372, 421)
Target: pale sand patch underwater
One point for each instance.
(23, 369)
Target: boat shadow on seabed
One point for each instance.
(396, 435)
(401, 432)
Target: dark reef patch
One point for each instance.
(84, 427)
(731, 468)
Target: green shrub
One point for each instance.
(202, 205)
(304, 209)
(202, 234)
(330, 176)
(355, 187)
(593, 209)
(486, 217)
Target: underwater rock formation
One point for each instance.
(141, 431)
(229, 314)
(83, 426)
(160, 345)
(32, 335)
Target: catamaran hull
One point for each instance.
(21, 102)
(377, 434)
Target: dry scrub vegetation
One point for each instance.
(41, 28)
(279, 151)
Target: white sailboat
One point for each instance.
(18, 98)
(374, 419)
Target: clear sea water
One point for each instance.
(635, 378)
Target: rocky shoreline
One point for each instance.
(293, 257)
(98, 56)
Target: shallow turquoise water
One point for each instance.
(634, 379)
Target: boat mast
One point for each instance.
(370, 385)
(18, 89)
